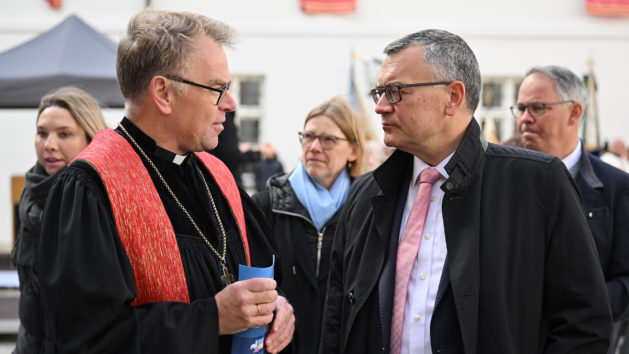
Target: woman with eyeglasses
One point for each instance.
(67, 120)
(302, 208)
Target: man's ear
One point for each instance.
(161, 93)
(456, 97)
(575, 113)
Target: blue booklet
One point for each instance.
(251, 341)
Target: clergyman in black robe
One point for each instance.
(87, 279)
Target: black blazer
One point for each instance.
(605, 193)
(521, 272)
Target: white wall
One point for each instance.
(305, 58)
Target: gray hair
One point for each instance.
(450, 57)
(159, 43)
(566, 83)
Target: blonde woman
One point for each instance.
(67, 120)
(303, 206)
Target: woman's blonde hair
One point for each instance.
(83, 108)
(339, 110)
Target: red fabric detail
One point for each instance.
(141, 220)
(55, 4)
(328, 6)
(227, 185)
(611, 8)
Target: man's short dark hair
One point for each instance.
(450, 56)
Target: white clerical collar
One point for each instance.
(573, 158)
(178, 159)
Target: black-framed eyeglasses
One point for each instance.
(394, 91)
(535, 109)
(220, 91)
(327, 141)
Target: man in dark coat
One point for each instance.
(550, 105)
(506, 262)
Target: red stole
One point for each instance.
(141, 220)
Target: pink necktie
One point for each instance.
(407, 252)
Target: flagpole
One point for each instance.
(591, 127)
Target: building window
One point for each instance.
(248, 91)
(493, 114)
(249, 130)
(249, 117)
(492, 94)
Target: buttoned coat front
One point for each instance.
(521, 274)
(605, 193)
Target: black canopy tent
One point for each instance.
(71, 53)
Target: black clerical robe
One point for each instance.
(87, 282)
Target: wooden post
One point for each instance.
(17, 185)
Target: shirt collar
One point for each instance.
(573, 158)
(419, 166)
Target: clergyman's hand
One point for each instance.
(283, 327)
(245, 304)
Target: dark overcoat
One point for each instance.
(605, 193)
(521, 274)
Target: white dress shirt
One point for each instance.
(573, 158)
(426, 272)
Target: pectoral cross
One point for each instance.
(226, 278)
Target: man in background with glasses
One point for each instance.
(551, 102)
(144, 234)
(455, 245)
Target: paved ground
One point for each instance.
(8, 311)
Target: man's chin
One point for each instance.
(210, 145)
(389, 141)
(530, 144)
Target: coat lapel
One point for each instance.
(461, 218)
(462, 241)
(388, 209)
(390, 177)
(386, 284)
(372, 260)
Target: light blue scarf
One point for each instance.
(320, 202)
